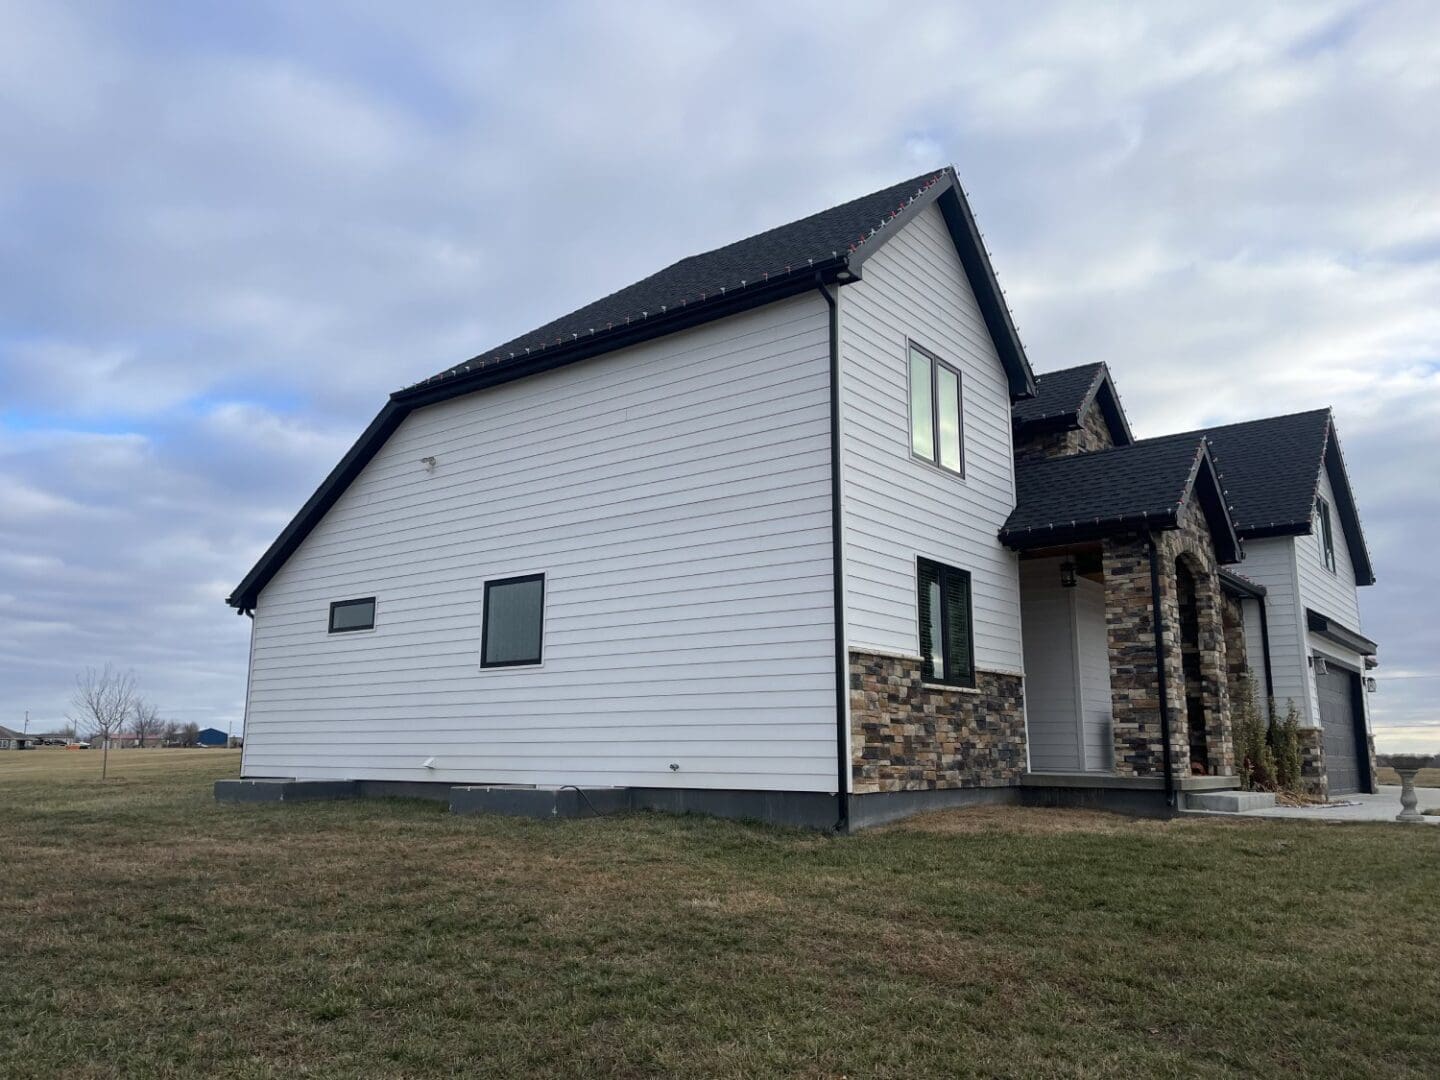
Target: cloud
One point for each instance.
(236, 231)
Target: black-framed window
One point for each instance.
(947, 640)
(513, 630)
(937, 414)
(348, 615)
(1327, 535)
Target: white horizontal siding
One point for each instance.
(1093, 664)
(675, 495)
(1068, 709)
(1271, 563)
(1332, 593)
(895, 507)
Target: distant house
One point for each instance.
(11, 739)
(212, 737)
(792, 530)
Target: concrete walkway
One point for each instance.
(1382, 806)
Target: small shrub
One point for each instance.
(1285, 744)
(1253, 757)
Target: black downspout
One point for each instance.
(1265, 649)
(837, 571)
(1160, 669)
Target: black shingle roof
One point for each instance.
(767, 267)
(1270, 470)
(789, 249)
(1061, 398)
(1086, 496)
(1061, 393)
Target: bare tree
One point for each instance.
(103, 702)
(190, 734)
(170, 733)
(146, 722)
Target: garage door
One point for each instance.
(1337, 719)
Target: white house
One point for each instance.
(736, 538)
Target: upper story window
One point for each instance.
(1325, 534)
(947, 640)
(513, 628)
(348, 615)
(937, 429)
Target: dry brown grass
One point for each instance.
(147, 931)
(1424, 778)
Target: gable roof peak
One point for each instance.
(1062, 397)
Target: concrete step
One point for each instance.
(1229, 802)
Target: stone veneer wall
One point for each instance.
(908, 735)
(1237, 663)
(1092, 434)
(1312, 762)
(1134, 681)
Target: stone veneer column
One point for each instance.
(1134, 677)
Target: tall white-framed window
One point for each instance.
(1325, 534)
(937, 412)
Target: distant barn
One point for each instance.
(211, 737)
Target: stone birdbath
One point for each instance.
(1407, 765)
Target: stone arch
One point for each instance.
(1203, 743)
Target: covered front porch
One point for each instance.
(1126, 635)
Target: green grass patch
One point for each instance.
(146, 930)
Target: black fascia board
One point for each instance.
(732, 302)
(1104, 392)
(1094, 529)
(1205, 484)
(403, 402)
(1233, 583)
(325, 496)
(1334, 464)
(1273, 528)
(1328, 628)
(969, 245)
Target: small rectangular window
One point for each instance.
(947, 645)
(937, 426)
(347, 615)
(1326, 535)
(513, 627)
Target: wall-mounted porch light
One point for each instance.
(1320, 666)
(1067, 574)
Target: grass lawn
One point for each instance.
(147, 931)
(1424, 778)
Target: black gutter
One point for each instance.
(1265, 648)
(1160, 671)
(837, 573)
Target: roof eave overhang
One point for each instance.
(403, 402)
(1327, 628)
(1074, 532)
(970, 246)
(732, 302)
(1236, 585)
(1205, 485)
(1334, 464)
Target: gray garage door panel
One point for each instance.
(1337, 720)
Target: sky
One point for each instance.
(228, 231)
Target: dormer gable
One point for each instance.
(1074, 411)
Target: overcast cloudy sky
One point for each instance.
(227, 231)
